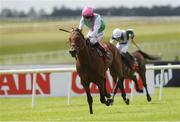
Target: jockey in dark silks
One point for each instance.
(123, 38)
(96, 27)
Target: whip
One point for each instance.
(135, 44)
(64, 30)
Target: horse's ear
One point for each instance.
(77, 29)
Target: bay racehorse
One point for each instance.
(128, 73)
(90, 66)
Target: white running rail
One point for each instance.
(71, 69)
(39, 70)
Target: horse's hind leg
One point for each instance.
(105, 90)
(133, 77)
(143, 77)
(89, 97)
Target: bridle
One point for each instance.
(75, 49)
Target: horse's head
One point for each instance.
(77, 42)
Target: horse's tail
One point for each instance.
(147, 56)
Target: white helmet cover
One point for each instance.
(117, 33)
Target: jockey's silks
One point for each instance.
(90, 23)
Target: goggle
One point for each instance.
(115, 38)
(87, 17)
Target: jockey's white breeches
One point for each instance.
(122, 47)
(96, 38)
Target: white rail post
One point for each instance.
(132, 90)
(69, 91)
(161, 84)
(34, 90)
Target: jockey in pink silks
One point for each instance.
(96, 27)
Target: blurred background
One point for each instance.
(29, 28)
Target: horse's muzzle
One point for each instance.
(73, 52)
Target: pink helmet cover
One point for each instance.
(87, 11)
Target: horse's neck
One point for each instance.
(84, 57)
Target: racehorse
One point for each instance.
(90, 66)
(128, 73)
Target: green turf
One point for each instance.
(56, 109)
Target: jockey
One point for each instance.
(123, 38)
(96, 25)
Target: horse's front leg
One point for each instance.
(88, 94)
(105, 89)
(101, 91)
(133, 77)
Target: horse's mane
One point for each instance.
(87, 40)
(79, 31)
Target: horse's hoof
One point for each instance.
(149, 98)
(127, 101)
(107, 104)
(110, 101)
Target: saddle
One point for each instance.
(103, 51)
(100, 52)
(100, 48)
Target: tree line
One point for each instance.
(111, 11)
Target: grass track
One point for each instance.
(55, 109)
(44, 36)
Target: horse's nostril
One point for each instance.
(71, 49)
(72, 52)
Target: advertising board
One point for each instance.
(56, 84)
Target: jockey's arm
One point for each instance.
(81, 24)
(95, 28)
